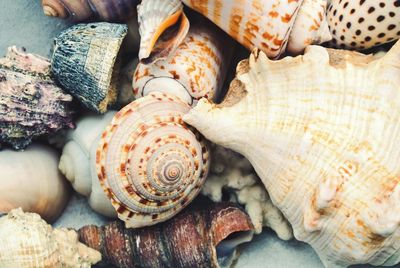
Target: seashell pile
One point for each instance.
(31, 104)
(304, 138)
(326, 150)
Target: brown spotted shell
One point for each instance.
(150, 163)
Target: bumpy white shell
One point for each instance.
(27, 241)
(363, 24)
(196, 69)
(149, 162)
(78, 161)
(31, 180)
(154, 17)
(268, 24)
(323, 132)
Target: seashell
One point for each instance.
(196, 69)
(363, 24)
(27, 241)
(326, 150)
(150, 164)
(88, 53)
(93, 10)
(268, 25)
(31, 104)
(155, 17)
(31, 180)
(201, 236)
(78, 161)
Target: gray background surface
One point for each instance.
(23, 24)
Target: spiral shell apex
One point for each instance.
(150, 164)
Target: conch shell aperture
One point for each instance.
(322, 132)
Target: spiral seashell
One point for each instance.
(88, 53)
(327, 150)
(204, 235)
(196, 69)
(268, 24)
(363, 24)
(149, 162)
(93, 10)
(155, 17)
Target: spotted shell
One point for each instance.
(196, 69)
(363, 24)
(149, 163)
(268, 25)
(155, 17)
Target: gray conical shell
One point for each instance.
(84, 60)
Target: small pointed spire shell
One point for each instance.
(88, 53)
(155, 17)
(197, 237)
(150, 164)
(326, 149)
(28, 241)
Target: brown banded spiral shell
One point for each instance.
(149, 162)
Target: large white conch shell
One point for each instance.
(323, 132)
(268, 24)
(78, 161)
(31, 180)
(27, 241)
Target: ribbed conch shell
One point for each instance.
(363, 24)
(200, 236)
(27, 241)
(150, 164)
(268, 25)
(87, 53)
(30, 180)
(78, 161)
(31, 104)
(196, 69)
(155, 17)
(90, 10)
(321, 131)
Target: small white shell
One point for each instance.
(27, 241)
(150, 163)
(154, 17)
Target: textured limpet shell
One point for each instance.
(31, 104)
(85, 62)
(363, 24)
(150, 163)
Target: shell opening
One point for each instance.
(226, 249)
(168, 36)
(168, 85)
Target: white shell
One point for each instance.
(149, 162)
(27, 241)
(78, 161)
(154, 17)
(268, 24)
(31, 180)
(196, 69)
(323, 133)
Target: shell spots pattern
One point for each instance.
(361, 24)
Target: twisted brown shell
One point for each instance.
(197, 237)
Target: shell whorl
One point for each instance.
(197, 68)
(149, 162)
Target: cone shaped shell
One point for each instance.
(322, 132)
(85, 62)
(149, 162)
